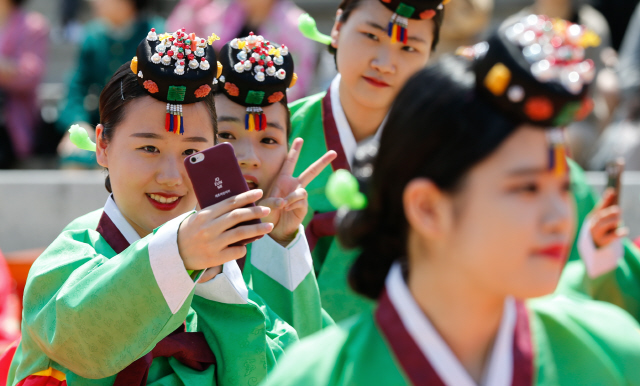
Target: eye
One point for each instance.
(149, 149)
(371, 36)
(226, 136)
(269, 141)
(526, 188)
(409, 49)
(189, 152)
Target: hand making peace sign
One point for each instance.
(288, 196)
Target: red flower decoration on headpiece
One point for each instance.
(539, 108)
(275, 97)
(151, 86)
(202, 91)
(232, 89)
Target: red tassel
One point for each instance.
(167, 121)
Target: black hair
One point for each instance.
(437, 129)
(348, 6)
(122, 88)
(18, 3)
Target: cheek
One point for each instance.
(506, 234)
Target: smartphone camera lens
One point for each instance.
(194, 160)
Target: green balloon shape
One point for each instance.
(343, 190)
(80, 138)
(307, 25)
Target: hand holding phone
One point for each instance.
(212, 237)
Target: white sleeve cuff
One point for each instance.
(167, 266)
(598, 261)
(287, 265)
(227, 287)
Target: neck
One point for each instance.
(258, 12)
(553, 8)
(451, 314)
(364, 121)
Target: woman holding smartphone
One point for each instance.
(468, 218)
(145, 290)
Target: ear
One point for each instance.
(427, 208)
(335, 31)
(101, 147)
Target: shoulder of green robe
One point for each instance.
(87, 221)
(584, 194)
(317, 359)
(582, 319)
(304, 109)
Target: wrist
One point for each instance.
(285, 240)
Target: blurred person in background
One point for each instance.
(22, 67)
(109, 41)
(277, 19)
(583, 136)
(622, 137)
(463, 25)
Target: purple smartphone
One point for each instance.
(216, 176)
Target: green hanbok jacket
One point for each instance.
(320, 121)
(611, 275)
(100, 303)
(548, 341)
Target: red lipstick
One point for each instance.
(376, 82)
(171, 200)
(553, 252)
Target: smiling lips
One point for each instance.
(164, 201)
(376, 82)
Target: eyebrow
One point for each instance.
(377, 26)
(157, 136)
(226, 118)
(526, 171)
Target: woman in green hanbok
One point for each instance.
(146, 290)
(464, 220)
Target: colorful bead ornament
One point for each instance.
(557, 153)
(255, 119)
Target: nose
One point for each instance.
(384, 61)
(246, 154)
(559, 214)
(171, 172)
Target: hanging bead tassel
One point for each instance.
(174, 122)
(557, 153)
(397, 29)
(255, 120)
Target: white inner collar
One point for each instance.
(498, 372)
(111, 209)
(347, 139)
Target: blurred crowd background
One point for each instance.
(56, 55)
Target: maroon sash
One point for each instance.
(323, 224)
(190, 348)
(417, 367)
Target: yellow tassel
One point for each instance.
(219, 70)
(252, 123)
(394, 34)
